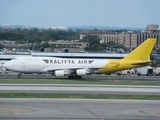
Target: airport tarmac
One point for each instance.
(80, 88)
(78, 109)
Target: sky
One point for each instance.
(113, 13)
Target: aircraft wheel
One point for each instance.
(70, 77)
(78, 77)
(74, 77)
(39, 74)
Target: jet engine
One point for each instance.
(59, 73)
(81, 72)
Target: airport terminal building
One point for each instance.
(131, 39)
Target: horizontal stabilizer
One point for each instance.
(141, 63)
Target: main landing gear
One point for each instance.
(75, 77)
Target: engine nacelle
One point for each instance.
(81, 72)
(59, 73)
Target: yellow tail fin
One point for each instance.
(143, 51)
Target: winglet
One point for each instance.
(143, 51)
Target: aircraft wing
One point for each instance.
(52, 69)
(70, 70)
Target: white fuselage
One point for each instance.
(47, 64)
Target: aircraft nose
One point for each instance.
(7, 65)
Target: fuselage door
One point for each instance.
(23, 65)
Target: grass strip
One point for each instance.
(65, 81)
(78, 96)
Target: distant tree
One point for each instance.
(37, 35)
(92, 40)
(113, 46)
(45, 45)
(20, 42)
(94, 48)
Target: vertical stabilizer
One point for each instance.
(143, 51)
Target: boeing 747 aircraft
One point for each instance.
(75, 68)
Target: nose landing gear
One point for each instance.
(19, 75)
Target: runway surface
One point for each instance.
(78, 109)
(83, 89)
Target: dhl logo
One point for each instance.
(115, 63)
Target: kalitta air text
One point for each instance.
(57, 61)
